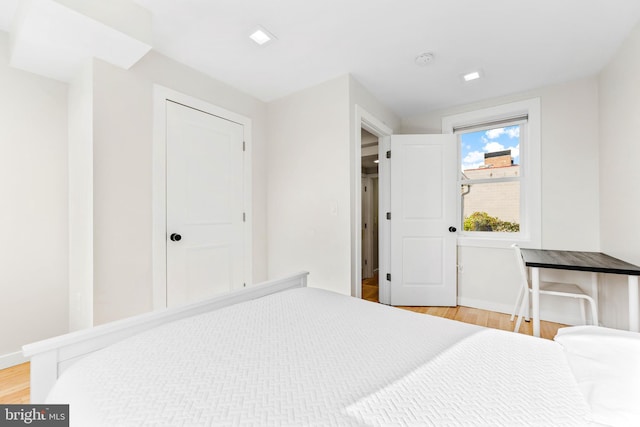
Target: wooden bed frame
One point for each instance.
(49, 358)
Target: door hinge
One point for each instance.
(244, 285)
(365, 188)
(389, 215)
(389, 276)
(244, 146)
(389, 154)
(365, 225)
(244, 217)
(365, 262)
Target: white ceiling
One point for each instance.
(518, 44)
(53, 40)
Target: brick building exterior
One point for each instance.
(499, 199)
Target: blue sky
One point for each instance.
(475, 144)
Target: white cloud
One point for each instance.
(492, 147)
(473, 160)
(515, 151)
(474, 156)
(494, 133)
(514, 132)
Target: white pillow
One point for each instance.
(606, 364)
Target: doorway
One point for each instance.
(424, 247)
(381, 133)
(369, 224)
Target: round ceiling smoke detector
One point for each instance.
(424, 59)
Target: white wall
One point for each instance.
(308, 185)
(123, 120)
(570, 202)
(80, 223)
(122, 138)
(619, 169)
(312, 180)
(359, 96)
(33, 190)
(620, 152)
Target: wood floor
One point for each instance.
(14, 381)
(14, 384)
(475, 316)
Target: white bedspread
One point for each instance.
(312, 357)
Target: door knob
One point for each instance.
(175, 237)
(452, 229)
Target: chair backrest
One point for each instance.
(522, 269)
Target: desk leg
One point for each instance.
(594, 292)
(633, 304)
(535, 300)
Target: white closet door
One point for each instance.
(205, 223)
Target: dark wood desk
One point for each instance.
(594, 262)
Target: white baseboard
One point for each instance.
(12, 359)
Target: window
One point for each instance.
(499, 179)
(490, 177)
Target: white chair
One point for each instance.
(547, 288)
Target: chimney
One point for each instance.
(498, 159)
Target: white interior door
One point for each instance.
(205, 219)
(423, 208)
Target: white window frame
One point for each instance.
(530, 166)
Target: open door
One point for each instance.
(423, 220)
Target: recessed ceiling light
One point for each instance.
(474, 75)
(261, 36)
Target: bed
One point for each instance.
(281, 353)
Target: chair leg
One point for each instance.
(521, 312)
(516, 307)
(527, 299)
